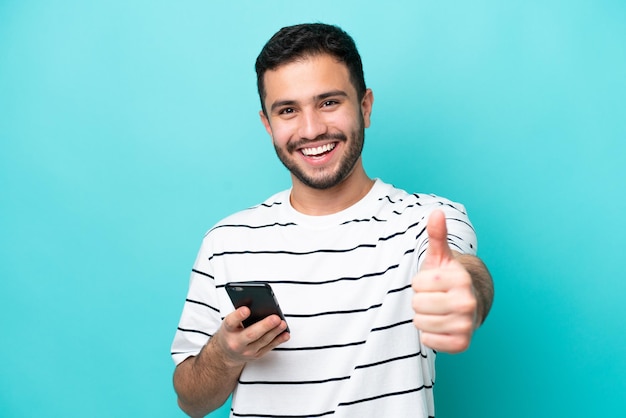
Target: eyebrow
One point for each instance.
(322, 96)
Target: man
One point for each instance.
(372, 280)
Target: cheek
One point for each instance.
(345, 121)
(281, 134)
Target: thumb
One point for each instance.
(232, 321)
(438, 251)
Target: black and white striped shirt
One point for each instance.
(344, 284)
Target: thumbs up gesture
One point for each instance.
(444, 302)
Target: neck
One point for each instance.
(310, 201)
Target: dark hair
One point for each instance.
(300, 41)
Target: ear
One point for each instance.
(266, 122)
(366, 107)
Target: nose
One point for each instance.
(312, 125)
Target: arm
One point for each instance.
(204, 382)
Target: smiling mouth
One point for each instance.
(317, 151)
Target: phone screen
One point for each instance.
(258, 296)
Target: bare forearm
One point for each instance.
(482, 283)
(203, 383)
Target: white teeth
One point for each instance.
(317, 150)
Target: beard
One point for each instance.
(325, 178)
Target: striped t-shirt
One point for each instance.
(344, 284)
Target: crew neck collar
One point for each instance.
(357, 211)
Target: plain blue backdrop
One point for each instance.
(128, 128)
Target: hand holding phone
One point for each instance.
(258, 297)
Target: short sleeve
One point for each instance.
(201, 316)
(461, 233)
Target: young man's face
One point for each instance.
(316, 120)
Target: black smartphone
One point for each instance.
(258, 296)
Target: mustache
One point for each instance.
(337, 136)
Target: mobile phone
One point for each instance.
(258, 297)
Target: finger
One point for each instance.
(232, 321)
(434, 280)
(265, 335)
(275, 336)
(431, 303)
(443, 324)
(446, 343)
(280, 339)
(264, 331)
(438, 249)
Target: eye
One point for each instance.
(328, 103)
(286, 111)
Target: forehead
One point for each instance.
(307, 77)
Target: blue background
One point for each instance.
(127, 128)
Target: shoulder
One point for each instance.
(238, 228)
(255, 216)
(400, 199)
